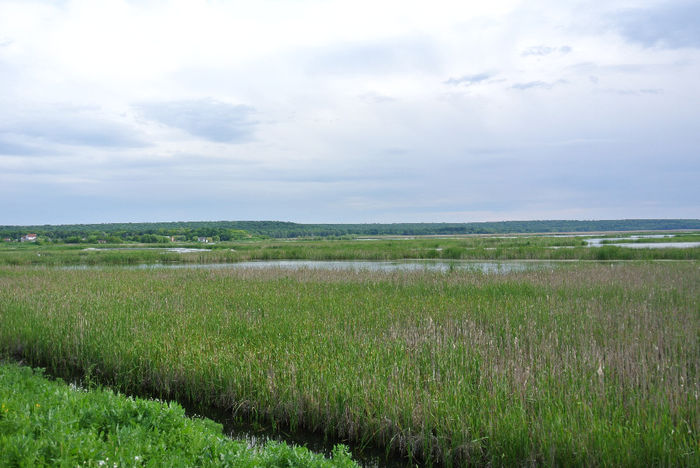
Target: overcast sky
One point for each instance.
(348, 111)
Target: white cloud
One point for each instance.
(205, 118)
(347, 111)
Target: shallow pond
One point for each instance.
(164, 249)
(368, 265)
(621, 242)
(490, 267)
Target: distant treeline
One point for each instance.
(233, 230)
(127, 232)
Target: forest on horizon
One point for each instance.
(233, 230)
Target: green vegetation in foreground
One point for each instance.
(470, 248)
(48, 423)
(586, 365)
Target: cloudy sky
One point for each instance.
(348, 111)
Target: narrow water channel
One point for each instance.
(257, 435)
(254, 434)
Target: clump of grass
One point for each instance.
(49, 423)
(584, 365)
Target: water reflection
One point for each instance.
(491, 267)
(369, 265)
(623, 242)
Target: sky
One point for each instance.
(330, 111)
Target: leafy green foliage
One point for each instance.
(48, 423)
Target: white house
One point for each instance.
(28, 238)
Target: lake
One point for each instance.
(491, 267)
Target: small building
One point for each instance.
(206, 240)
(28, 238)
(7, 239)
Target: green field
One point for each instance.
(586, 364)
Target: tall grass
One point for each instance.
(585, 365)
(472, 248)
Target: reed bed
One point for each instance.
(584, 365)
(471, 248)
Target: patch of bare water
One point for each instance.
(369, 265)
(621, 242)
(489, 267)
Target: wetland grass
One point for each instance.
(470, 248)
(586, 365)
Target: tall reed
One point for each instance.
(585, 365)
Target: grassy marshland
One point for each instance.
(466, 248)
(49, 423)
(584, 365)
